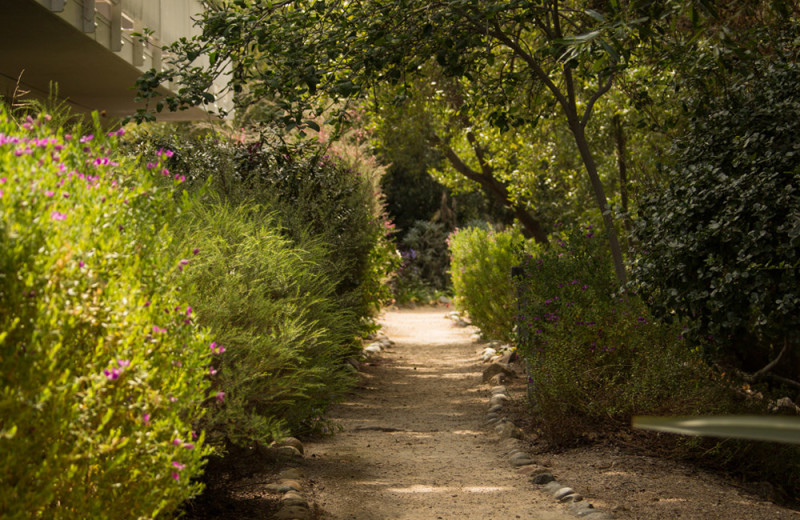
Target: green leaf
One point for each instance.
(594, 14)
(775, 429)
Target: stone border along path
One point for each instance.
(523, 460)
(412, 445)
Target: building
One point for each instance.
(88, 49)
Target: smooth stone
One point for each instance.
(495, 408)
(572, 498)
(498, 399)
(374, 348)
(508, 429)
(283, 452)
(291, 484)
(487, 354)
(527, 470)
(293, 498)
(543, 478)
(494, 369)
(564, 491)
(386, 342)
(445, 300)
(492, 415)
(499, 390)
(292, 473)
(291, 441)
(293, 513)
(553, 486)
(521, 459)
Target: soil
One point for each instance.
(413, 445)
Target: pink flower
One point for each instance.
(173, 399)
(178, 465)
(87, 138)
(165, 172)
(146, 418)
(195, 251)
(151, 165)
(220, 396)
(189, 446)
(49, 193)
(3, 180)
(112, 374)
(188, 311)
(177, 442)
(212, 371)
(57, 215)
(176, 475)
(158, 330)
(124, 363)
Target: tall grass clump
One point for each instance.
(481, 262)
(314, 194)
(281, 334)
(103, 368)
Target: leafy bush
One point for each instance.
(721, 245)
(425, 263)
(274, 310)
(102, 366)
(315, 196)
(481, 271)
(595, 355)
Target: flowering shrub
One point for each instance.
(480, 267)
(102, 366)
(595, 354)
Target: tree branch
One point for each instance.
(600, 91)
(772, 364)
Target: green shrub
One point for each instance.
(721, 245)
(102, 365)
(274, 309)
(481, 271)
(595, 355)
(315, 196)
(425, 263)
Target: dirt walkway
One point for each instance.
(412, 445)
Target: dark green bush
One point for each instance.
(425, 263)
(102, 364)
(721, 245)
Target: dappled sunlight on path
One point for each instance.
(412, 446)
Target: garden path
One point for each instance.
(440, 463)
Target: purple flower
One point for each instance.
(195, 251)
(177, 442)
(189, 446)
(151, 165)
(158, 330)
(212, 371)
(220, 396)
(146, 418)
(178, 465)
(584, 287)
(176, 475)
(124, 363)
(87, 138)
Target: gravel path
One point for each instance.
(412, 446)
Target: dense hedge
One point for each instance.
(721, 245)
(103, 368)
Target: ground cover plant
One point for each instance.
(103, 368)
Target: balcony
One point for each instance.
(87, 48)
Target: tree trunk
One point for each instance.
(600, 197)
(622, 162)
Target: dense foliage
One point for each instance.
(481, 262)
(721, 244)
(103, 368)
(275, 311)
